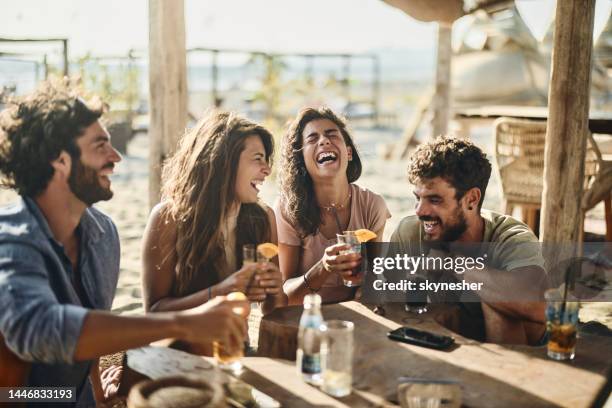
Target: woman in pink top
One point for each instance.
(319, 163)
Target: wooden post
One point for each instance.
(375, 88)
(566, 133)
(216, 101)
(346, 73)
(441, 102)
(167, 85)
(65, 56)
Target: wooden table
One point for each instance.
(599, 121)
(491, 375)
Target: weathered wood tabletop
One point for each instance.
(490, 375)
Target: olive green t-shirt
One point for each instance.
(514, 245)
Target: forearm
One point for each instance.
(105, 333)
(173, 304)
(516, 293)
(526, 311)
(273, 302)
(296, 288)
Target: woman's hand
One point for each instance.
(269, 279)
(239, 281)
(344, 265)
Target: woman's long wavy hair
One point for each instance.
(298, 201)
(198, 185)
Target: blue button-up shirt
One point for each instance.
(41, 314)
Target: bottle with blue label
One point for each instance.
(309, 340)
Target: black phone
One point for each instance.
(421, 338)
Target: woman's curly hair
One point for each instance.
(297, 197)
(458, 161)
(36, 128)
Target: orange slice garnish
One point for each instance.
(364, 235)
(267, 250)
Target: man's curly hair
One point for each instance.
(36, 128)
(458, 161)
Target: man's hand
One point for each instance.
(218, 320)
(110, 379)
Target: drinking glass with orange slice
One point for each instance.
(227, 359)
(354, 239)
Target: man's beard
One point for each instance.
(452, 229)
(85, 184)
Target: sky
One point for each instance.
(112, 27)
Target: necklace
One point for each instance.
(334, 206)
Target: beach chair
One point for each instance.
(519, 155)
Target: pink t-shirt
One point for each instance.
(368, 210)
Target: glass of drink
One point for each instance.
(417, 298)
(249, 254)
(561, 320)
(229, 359)
(349, 238)
(337, 357)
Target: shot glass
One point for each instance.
(249, 254)
(337, 357)
(417, 299)
(349, 238)
(561, 323)
(229, 359)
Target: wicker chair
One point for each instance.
(519, 153)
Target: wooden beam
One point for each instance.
(167, 85)
(566, 134)
(441, 101)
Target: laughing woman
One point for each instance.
(318, 200)
(192, 247)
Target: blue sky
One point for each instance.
(114, 26)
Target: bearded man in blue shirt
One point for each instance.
(59, 256)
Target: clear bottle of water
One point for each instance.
(309, 340)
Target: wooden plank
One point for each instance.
(167, 85)
(599, 121)
(568, 102)
(491, 375)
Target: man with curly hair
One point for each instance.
(450, 177)
(59, 257)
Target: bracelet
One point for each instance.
(308, 285)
